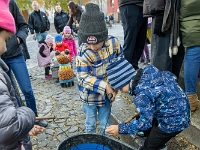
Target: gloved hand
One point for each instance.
(57, 53)
(158, 25)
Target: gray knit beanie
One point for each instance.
(92, 26)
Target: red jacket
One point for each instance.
(62, 47)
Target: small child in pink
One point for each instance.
(43, 55)
(69, 39)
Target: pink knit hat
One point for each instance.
(67, 30)
(49, 39)
(6, 19)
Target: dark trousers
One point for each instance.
(160, 53)
(135, 29)
(47, 70)
(156, 138)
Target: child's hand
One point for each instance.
(109, 89)
(112, 130)
(36, 129)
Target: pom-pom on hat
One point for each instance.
(92, 26)
(6, 19)
(58, 38)
(120, 72)
(49, 39)
(67, 29)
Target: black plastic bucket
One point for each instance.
(93, 142)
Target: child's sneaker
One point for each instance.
(48, 76)
(140, 133)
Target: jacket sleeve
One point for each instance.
(70, 22)
(47, 23)
(30, 24)
(86, 79)
(41, 50)
(15, 123)
(147, 108)
(66, 46)
(156, 7)
(22, 27)
(56, 25)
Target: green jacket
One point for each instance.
(190, 22)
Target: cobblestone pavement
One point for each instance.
(64, 103)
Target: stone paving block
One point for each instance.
(73, 129)
(49, 131)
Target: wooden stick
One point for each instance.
(45, 117)
(129, 120)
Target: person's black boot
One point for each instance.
(41, 123)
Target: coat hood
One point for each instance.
(151, 77)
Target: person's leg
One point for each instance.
(38, 37)
(142, 57)
(44, 34)
(91, 118)
(19, 68)
(47, 75)
(191, 70)
(131, 23)
(177, 60)
(146, 50)
(160, 51)
(104, 116)
(141, 40)
(47, 70)
(157, 139)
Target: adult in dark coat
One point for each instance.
(60, 19)
(38, 23)
(14, 59)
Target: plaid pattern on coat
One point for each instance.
(91, 70)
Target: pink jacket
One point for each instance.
(43, 61)
(72, 46)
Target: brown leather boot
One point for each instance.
(193, 102)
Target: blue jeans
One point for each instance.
(19, 68)
(191, 69)
(91, 117)
(41, 36)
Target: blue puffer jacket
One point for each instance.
(15, 122)
(159, 96)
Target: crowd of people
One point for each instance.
(104, 67)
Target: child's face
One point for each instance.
(59, 43)
(4, 36)
(67, 34)
(95, 47)
(125, 89)
(50, 44)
